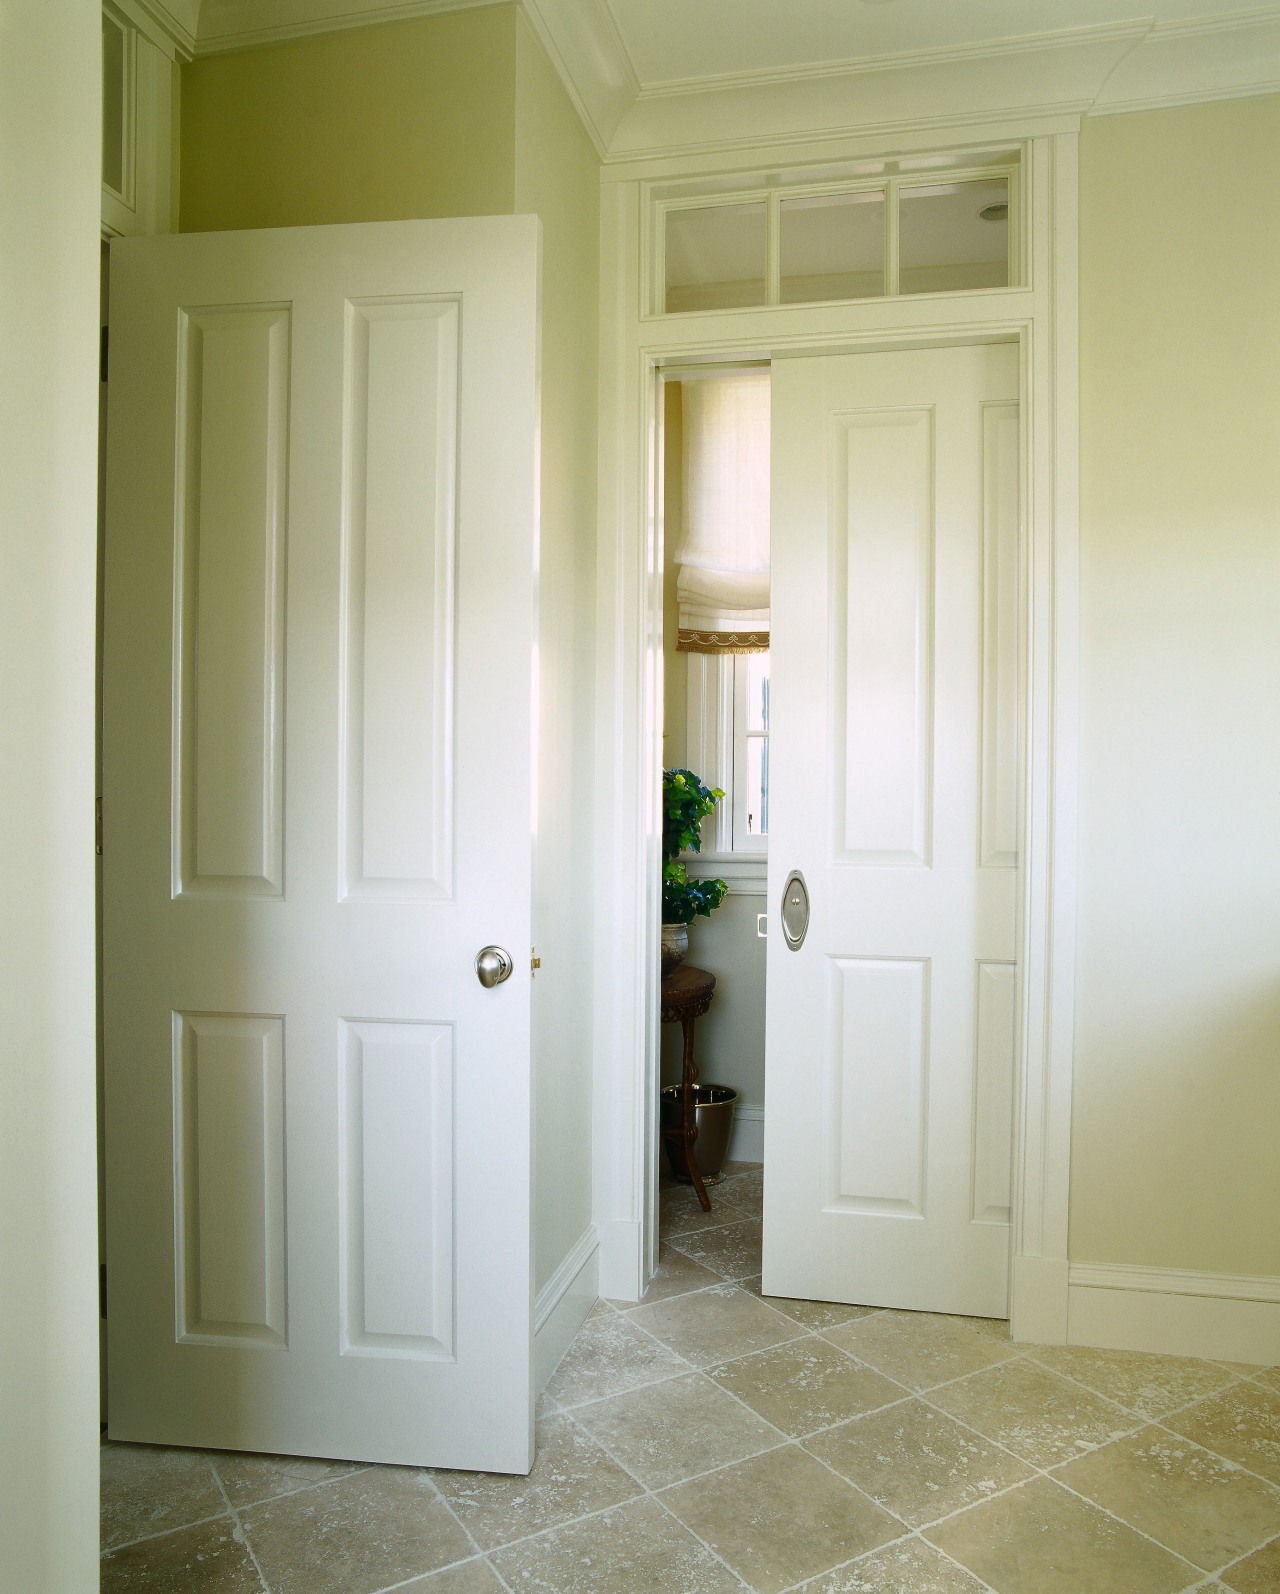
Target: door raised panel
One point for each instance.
(877, 1085)
(396, 1184)
(232, 475)
(229, 1166)
(401, 439)
(883, 612)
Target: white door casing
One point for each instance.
(318, 748)
(890, 1032)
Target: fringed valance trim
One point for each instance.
(688, 641)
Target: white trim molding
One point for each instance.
(635, 346)
(245, 24)
(563, 1304)
(1217, 1316)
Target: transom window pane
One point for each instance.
(715, 257)
(832, 247)
(954, 235)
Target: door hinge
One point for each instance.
(97, 826)
(535, 962)
(102, 1289)
(103, 340)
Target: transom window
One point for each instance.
(926, 231)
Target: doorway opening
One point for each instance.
(890, 700)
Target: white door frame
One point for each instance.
(1042, 318)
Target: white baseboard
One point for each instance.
(746, 1143)
(1217, 1316)
(563, 1303)
(621, 1260)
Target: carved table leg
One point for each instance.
(689, 1080)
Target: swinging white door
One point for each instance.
(890, 1029)
(317, 743)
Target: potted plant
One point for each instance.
(686, 802)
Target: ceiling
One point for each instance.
(671, 41)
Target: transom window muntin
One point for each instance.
(857, 237)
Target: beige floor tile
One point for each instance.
(1041, 1540)
(636, 1548)
(571, 1477)
(806, 1385)
(1147, 1385)
(1242, 1424)
(917, 1463)
(472, 1577)
(1202, 1507)
(610, 1355)
(731, 1251)
(1270, 1376)
(146, 1489)
(714, 1324)
(677, 1274)
(248, 1478)
(208, 1559)
(813, 1314)
(743, 1187)
(1258, 1573)
(780, 1518)
(676, 1429)
(911, 1567)
(919, 1349)
(680, 1211)
(377, 1527)
(1031, 1411)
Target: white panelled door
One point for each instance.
(893, 790)
(317, 740)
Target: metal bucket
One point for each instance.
(713, 1113)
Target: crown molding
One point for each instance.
(582, 39)
(1071, 73)
(1187, 63)
(169, 24)
(900, 61)
(945, 89)
(245, 24)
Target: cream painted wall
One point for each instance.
(1176, 1148)
(50, 133)
(730, 1040)
(557, 176)
(408, 119)
(462, 114)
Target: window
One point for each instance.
(750, 790)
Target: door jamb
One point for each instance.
(1043, 318)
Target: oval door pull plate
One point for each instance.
(493, 965)
(795, 910)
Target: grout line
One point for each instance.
(240, 1527)
(164, 1533)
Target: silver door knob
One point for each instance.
(493, 965)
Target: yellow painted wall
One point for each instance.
(557, 176)
(1176, 1149)
(385, 123)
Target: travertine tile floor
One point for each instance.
(709, 1440)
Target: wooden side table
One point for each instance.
(686, 996)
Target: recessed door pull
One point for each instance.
(795, 910)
